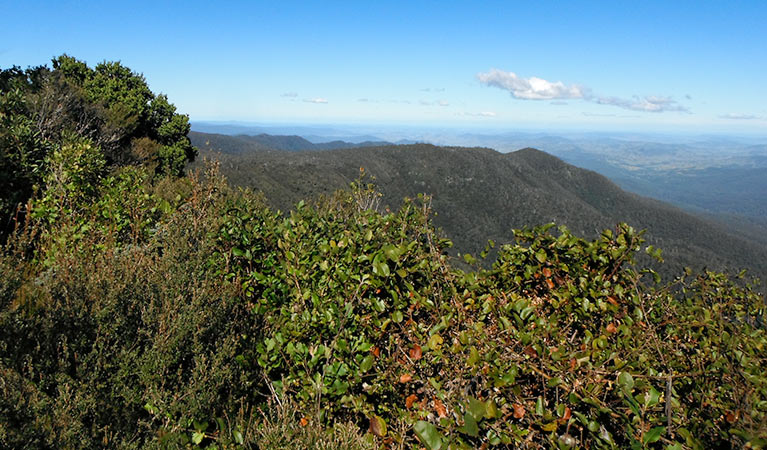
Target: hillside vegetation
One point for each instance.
(140, 307)
(479, 194)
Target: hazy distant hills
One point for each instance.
(245, 143)
(481, 194)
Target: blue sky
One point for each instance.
(620, 65)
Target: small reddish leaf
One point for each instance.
(304, 421)
(732, 417)
(519, 411)
(611, 328)
(573, 363)
(546, 272)
(567, 414)
(612, 300)
(439, 407)
(376, 351)
(530, 351)
(405, 377)
(416, 352)
(410, 400)
(549, 283)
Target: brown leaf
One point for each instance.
(573, 363)
(410, 400)
(376, 351)
(611, 328)
(549, 283)
(546, 272)
(377, 426)
(304, 421)
(519, 411)
(416, 352)
(530, 351)
(612, 300)
(567, 414)
(405, 377)
(439, 407)
(732, 417)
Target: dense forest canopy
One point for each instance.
(108, 108)
(142, 307)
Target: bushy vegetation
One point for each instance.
(139, 308)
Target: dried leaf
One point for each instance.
(405, 377)
(439, 407)
(377, 426)
(519, 411)
(416, 352)
(546, 272)
(611, 328)
(376, 351)
(549, 283)
(410, 400)
(304, 421)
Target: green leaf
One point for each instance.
(651, 397)
(626, 382)
(653, 435)
(428, 434)
(476, 408)
(367, 363)
(469, 425)
(197, 437)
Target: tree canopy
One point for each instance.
(109, 106)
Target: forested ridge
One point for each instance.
(143, 304)
(480, 194)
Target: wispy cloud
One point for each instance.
(535, 88)
(532, 88)
(290, 94)
(434, 103)
(315, 100)
(736, 116)
(480, 114)
(433, 90)
(650, 103)
(622, 116)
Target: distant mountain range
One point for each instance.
(481, 194)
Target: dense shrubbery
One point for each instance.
(145, 311)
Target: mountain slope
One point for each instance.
(481, 194)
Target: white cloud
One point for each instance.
(532, 88)
(535, 88)
(443, 103)
(736, 116)
(650, 103)
(481, 114)
(315, 100)
(290, 94)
